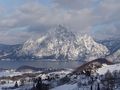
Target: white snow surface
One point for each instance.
(72, 87)
(10, 73)
(111, 68)
(66, 87)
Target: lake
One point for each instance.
(40, 64)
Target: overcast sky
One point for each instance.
(22, 19)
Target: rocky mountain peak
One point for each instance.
(64, 44)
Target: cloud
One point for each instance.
(76, 4)
(13, 38)
(79, 15)
(107, 31)
(45, 17)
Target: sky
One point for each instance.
(24, 19)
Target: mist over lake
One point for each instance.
(40, 64)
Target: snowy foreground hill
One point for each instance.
(98, 74)
(64, 45)
(108, 74)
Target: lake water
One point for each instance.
(40, 64)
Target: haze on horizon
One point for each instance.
(23, 19)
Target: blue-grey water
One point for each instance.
(40, 64)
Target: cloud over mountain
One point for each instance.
(33, 18)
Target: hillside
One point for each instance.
(92, 65)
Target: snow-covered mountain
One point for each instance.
(65, 45)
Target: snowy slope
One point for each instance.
(66, 87)
(64, 44)
(71, 87)
(111, 68)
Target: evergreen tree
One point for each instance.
(98, 86)
(91, 88)
(16, 85)
(39, 84)
(110, 80)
